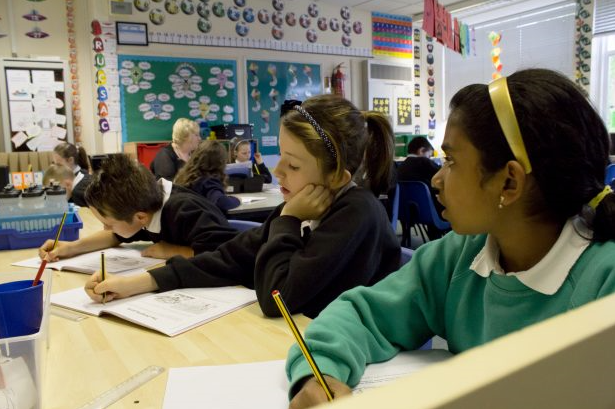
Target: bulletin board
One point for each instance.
(156, 91)
(36, 107)
(269, 83)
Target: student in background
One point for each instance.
(242, 151)
(204, 174)
(72, 156)
(420, 168)
(327, 237)
(168, 160)
(534, 235)
(133, 206)
(75, 185)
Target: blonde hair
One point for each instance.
(183, 128)
(57, 173)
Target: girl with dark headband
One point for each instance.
(533, 236)
(328, 236)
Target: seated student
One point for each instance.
(420, 168)
(75, 185)
(204, 174)
(133, 206)
(327, 237)
(72, 156)
(242, 152)
(168, 160)
(534, 235)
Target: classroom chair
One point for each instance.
(395, 209)
(610, 174)
(416, 209)
(406, 255)
(242, 225)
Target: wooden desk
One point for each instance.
(86, 358)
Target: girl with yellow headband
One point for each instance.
(533, 235)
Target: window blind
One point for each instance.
(604, 17)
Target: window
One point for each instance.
(540, 38)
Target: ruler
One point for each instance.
(122, 389)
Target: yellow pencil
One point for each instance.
(103, 273)
(306, 352)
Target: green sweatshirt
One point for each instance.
(437, 294)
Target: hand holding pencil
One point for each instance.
(318, 389)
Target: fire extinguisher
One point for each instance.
(337, 80)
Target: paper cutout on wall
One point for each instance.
(391, 35)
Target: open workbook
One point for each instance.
(264, 384)
(117, 260)
(171, 312)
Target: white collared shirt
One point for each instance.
(77, 169)
(313, 224)
(154, 224)
(78, 177)
(548, 275)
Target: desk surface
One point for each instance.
(88, 357)
(273, 197)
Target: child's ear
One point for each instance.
(142, 218)
(338, 182)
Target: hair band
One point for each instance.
(598, 198)
(504, 111)
(318, 129)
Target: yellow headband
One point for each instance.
(504, 111)
(598, 198)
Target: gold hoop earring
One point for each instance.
(501, 204)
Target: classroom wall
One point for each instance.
(18, 44)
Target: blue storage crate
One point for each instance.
(11, 239)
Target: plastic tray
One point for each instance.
(11, 239)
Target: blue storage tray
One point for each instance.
(11, 239)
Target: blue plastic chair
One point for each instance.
(242, 225)
(416, 208)
(610, 174)
(406, 255)
(395, 209)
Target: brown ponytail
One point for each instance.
(379, 150)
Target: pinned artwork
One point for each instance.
(381, 105)
(494, 39)
(404, 111)
(164, 89)
(431, 85)
(271, 82)
(34, 15)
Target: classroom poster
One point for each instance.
(156, 91)
(269, 83)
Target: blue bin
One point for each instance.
(12, 239)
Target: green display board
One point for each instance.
(156, 91)
(269, 83)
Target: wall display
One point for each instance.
(209, 18)
(381, 105)
(269, 83)
(107, 76)
(404, 111)
(583, 42)
(438, 23)
(36, 105)
(431, 89)
(494, 39)
(156, 91)
(391, 35)
(73, 67)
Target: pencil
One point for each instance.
(44, 263)
(306, 352)
(103, 274)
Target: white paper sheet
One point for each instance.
(264, 384)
